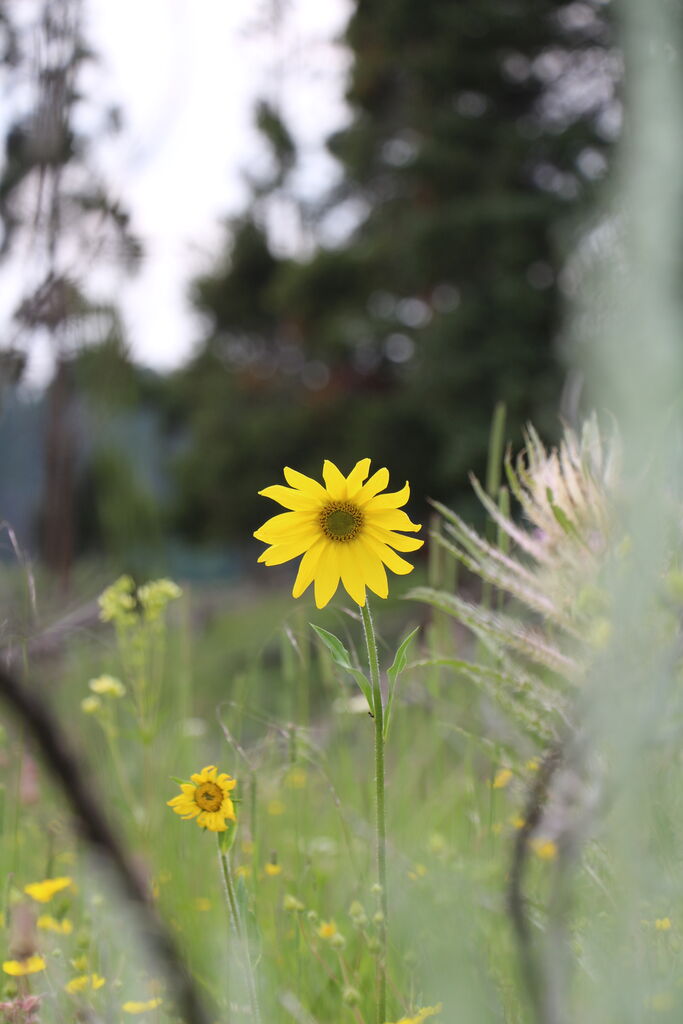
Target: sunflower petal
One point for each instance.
(290, 498)
(335, 481)
(377, 482)
(279, 553)
(389, 557)
(391, 519)
(374, 572)
(327, 575)
(394, 540)
(352, 575)
(358, 474)
(393, 499)
(280, 527)
(305, 483)
(307, 567)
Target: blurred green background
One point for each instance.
(477, 137)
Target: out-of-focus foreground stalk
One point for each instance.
(627, 755)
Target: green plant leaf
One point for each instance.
(342, 658)
(399, 664)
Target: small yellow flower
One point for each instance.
(44, 891)
(90, 705)
(419, 871)
(134, 1007)
(545, 849)
(502, 778)
(297, 779)
(421, 1015)
(51, 924)
(327, 930)
(80, 963)
(344, 530)
(273, 869)
(533, 764)
(275, 808)
(206, 799)
(29, 965)
(517, 822)
(202, 904)
(85, 981)
(107, 686)
(292, 903)
(663, 924)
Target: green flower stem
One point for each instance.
(381, 826)
(242, 938)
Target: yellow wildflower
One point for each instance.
(419, 871)
(663, 924)
(80, 963)
(533, 764)
(85, 981)
(44, 891)
(297, 779)
(272, 869)
(207, 799)
(107, 686)
(292, 903)
(134, 1007)
(29, 965)
(545, 849)
(327, 929)
(421, 1015)
(502, 778)
(51, 924)
(344, 530)
(90, 705)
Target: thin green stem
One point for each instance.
(240, 933)
(381, 826)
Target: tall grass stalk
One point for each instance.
(380, 820)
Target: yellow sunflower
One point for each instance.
(207, 799)
(344, 530)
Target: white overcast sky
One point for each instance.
(186, 74)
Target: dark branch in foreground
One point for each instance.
(30, 707)
(533, 812)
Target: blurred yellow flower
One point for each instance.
(327, 929)
(29, 965)
(206, 799)
(502, 778)
(107, 686)
(663, 924)
(85, 981)
(134, 1007)
(344, 530)
(91, 704)
(44, 891)
(273, 869)
(296, 779)
(243, 871)
(545, 849)
(80, 963)
(421, 1015)
(51, 924)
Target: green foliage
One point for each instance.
(443, 300)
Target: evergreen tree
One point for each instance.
(477, 131)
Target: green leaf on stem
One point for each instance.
(342, 658)
(400, 662)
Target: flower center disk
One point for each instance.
(209, 796)
(341, 521)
